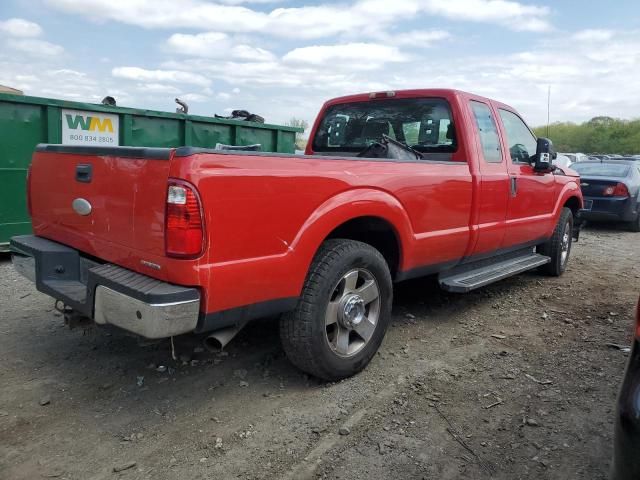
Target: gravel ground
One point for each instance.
(512, 381)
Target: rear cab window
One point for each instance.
(522, 143)
(424, 124)
(487, 132)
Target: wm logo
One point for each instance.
(81, 122)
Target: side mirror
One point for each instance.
(544, 157)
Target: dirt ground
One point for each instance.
(513, 381)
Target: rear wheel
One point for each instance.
(558, 247)
(343, 313)
(635, 225)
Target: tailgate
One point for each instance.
(82, 196)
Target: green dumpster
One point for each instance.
(27, 121)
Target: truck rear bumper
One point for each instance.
(106, 293)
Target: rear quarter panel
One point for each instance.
(267, 215)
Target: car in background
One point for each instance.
(626, 440)
(575, 157)
(600, 156)
(611, 190)
(562, 160)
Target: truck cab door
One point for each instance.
(531, 194)
(493, 191)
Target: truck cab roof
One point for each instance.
(410, 93)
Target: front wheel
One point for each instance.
(558, 247)
(343, 313)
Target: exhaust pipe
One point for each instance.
(220, 338)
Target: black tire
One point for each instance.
(635, 225)
(303, 332)
(553, 247)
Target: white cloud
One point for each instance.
(510, 14)
(584, 81)
(239, 2)
(35, 78)
(194, 97)
(22, 37)
(247, 52)
(34, 47)
(283, 62)
(166, 13)
(67, 72)
(201, 45)
(593, 35)
(215, 45)
(18, 27)
(361, 56)
(159, 88)
(144, 75)
(416, 38)
(316, 21)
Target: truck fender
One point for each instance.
(569, 191)
(346, 206)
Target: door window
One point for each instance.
(487, 131)
(522, 143)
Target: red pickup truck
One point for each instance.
(393, 185)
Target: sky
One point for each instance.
(284, 58)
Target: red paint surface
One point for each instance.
(265, 216)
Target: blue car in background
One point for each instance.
(611, 190)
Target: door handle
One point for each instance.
(514, 186)
(84, 173)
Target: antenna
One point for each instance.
(548, 108)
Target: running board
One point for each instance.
(484, 274)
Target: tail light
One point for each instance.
(619, 190)
(184, 225)
(29, 209)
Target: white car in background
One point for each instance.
(575, 157)
(563, 160)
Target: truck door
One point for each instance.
(532, 194)
(493, 195)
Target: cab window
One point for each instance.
(487, 131)
(522, 143)
(424, 124)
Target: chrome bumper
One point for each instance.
(107, 293)
(148, 320)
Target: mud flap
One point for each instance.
(578, 223)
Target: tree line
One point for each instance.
(598, 135)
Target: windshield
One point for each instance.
(424, 124)
(601, 169)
